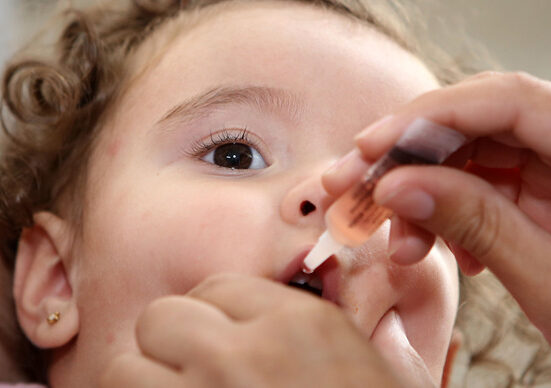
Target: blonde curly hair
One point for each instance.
(51, 111)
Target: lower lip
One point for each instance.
(329, 274)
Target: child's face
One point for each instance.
(163, 213)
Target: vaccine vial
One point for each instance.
(353, 218)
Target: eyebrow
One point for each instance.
(262, 98)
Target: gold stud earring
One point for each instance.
(53, 318)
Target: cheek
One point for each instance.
(167, 240)
(224, 232)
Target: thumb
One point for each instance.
(390, 339)
(467, 211)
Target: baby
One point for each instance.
(171, 142)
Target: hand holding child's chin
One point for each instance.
(239, 331)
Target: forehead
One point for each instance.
(236, 42)
(209, 22)
(313, 52)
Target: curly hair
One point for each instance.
(52, 106)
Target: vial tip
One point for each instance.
(306, 269)
(325, 247)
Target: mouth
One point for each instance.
(307, 282)
(323, 282)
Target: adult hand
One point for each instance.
(496, 210)
(239, 331)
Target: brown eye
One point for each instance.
(235, 156)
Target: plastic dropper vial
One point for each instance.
(353, 218)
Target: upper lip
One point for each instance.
(328, 273)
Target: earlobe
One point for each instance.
(43, 293)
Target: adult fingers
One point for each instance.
(512, 108)
(344, 173)
(136, 371)
(469, 212)
(177, 329)
(408, 243)
(485, 152)
(244, 297)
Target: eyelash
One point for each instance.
(224, 136)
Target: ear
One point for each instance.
(41, 284)
(455, 343)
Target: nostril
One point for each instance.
(307, 207)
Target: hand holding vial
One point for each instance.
(354, 217)
(494, 210)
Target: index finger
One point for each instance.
(512, 108)
(244, 297)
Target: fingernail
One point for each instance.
(342, 162)
(408, 203)
(405, 248)
(373, 128)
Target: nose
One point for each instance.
(306, 201)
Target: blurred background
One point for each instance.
(517, 33)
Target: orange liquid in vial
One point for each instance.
(354, 217)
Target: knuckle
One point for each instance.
(490, 73)
(521, 80)
(484, 75)
(480, 229)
